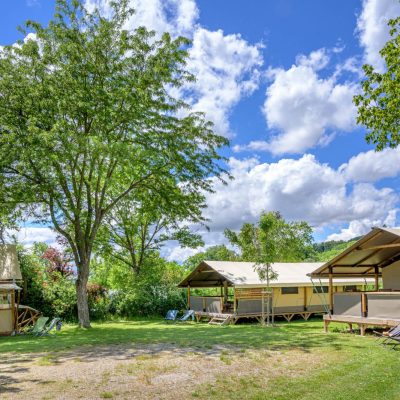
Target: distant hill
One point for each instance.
(325, 251)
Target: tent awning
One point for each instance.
(245, 275)
(366, 258)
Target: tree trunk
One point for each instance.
(81, 295)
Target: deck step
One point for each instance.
(220, 320)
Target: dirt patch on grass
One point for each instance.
(159, 371)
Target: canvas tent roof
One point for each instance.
(244, 274)
(9, 265)
(377, 249)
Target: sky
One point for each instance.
(277, 78)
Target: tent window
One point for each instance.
(350, 288)
(5, 300)
(320, 289)
(290, 290)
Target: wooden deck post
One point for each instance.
(305, 298)
(376, 278)
(225, 292)
(13, 309)
(330, 291)
(234, 301)
(326, 325)
(188, 294)
(364, 304)
(16, 310)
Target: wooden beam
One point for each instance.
(364, 304)
(188, 294)
(342, 275)
(380, 247)
(345, 253)
(225, 292)
(389, 261)
(13, 309)
(350, 249)
(305, 298)
(373, 253)
(376, 270)
(330, 290)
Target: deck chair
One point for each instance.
(54, 323)
(384, 337)
(171, 315)
(392, 341)
(38, 327)
(188, 314)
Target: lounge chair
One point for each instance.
(55, 323)
(171, 315)
(384, 337)
(392, 341)
(38, 327)
(187, 315)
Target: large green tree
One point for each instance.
(214, 253)
(271, 240)
(86, 119)
(141, 224)
(379, 102)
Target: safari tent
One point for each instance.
(240, 293)
(376, 256)
(9, 290)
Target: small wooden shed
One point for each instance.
(10, 273)
(291, 293)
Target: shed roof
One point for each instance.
(9, 286)
(244, 274)
(377, 249)
(9, 265)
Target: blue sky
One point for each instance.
(277, 78)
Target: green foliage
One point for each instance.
(139, 226)
(152, 292)
(44, 289)
(332, 249)
(332, 244)
(87, 119)
(272, 240)
(379, 103)
(213, 253)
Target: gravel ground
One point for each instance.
(132, 372)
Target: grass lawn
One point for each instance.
(292, 360)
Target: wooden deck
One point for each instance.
(199, 315)
(362, 322)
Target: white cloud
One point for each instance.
(361, 227)
(33, 3)
(225, 66)
(302, 189)
(173, 252)
(305, 109)
(30, 235)
(316, 60)
(177, 17)
(372, 166)
(373, 29)
(226, 69)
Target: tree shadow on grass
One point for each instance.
(303, 336)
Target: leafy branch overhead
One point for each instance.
(379, 103)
